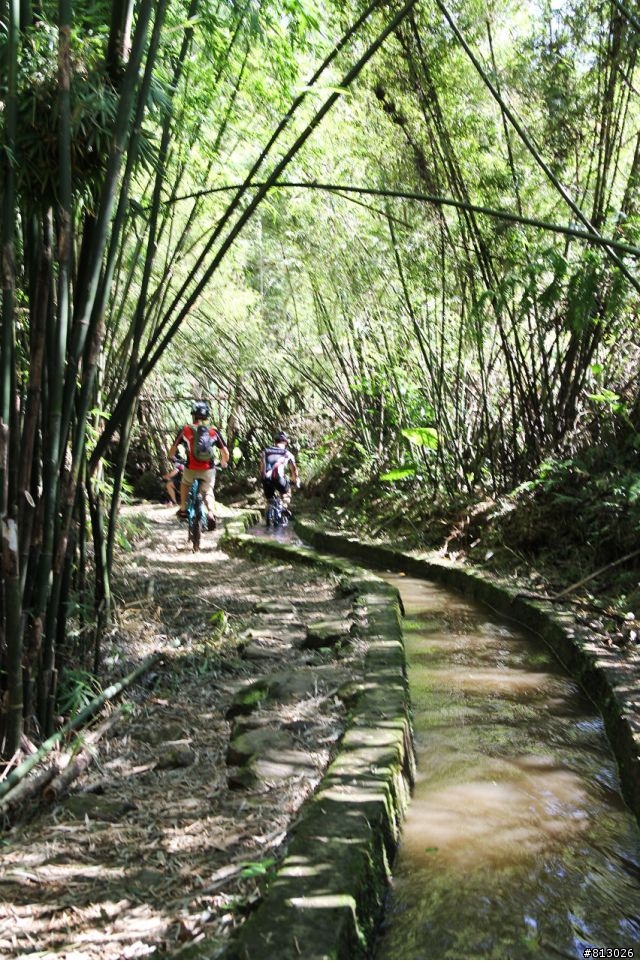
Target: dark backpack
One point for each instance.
(202, 444)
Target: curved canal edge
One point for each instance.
(614, 689)
(327, 897)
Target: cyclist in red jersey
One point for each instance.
(200, 440)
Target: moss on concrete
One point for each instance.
(326, 634)
(327, 896)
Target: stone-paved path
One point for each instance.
(168, 837)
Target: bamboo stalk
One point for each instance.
(249, 181)
(92, 708)
(535, 153)
(156, 349)
(583, 580)
(578, 233)
(27, 789)
(80, 762)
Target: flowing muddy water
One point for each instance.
(517, 843)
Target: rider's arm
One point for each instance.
(293, 467)
(173, 450)
(222, 447)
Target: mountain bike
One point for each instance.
(196, 514)
(276, 514)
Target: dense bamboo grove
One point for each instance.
(407, 232)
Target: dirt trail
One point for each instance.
(163, 842)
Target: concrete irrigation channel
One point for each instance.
(327, 897)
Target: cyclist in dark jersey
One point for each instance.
(274, 463)
(173, 479)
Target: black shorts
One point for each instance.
(272, 484)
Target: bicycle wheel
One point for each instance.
(280, 518)
(271, 514)
(195, 526)
(193, 514)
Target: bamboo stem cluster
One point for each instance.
(106, 282)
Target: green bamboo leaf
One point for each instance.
(422, 436)
(400, 473)
(604, 397)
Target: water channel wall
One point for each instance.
(327, 897)
(609, 681)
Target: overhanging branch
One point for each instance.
(348, 189)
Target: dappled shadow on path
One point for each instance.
(154, 849)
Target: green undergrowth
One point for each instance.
(574, 518)
(132, 528)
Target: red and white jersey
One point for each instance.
(187, 435)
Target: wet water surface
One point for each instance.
(517, 843)
(284, 535)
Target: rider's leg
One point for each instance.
(285, 492)
(171, 489)
(207, 483)
(188, 477)
(184, 491)
(267, 488)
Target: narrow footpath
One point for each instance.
(168, 837)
